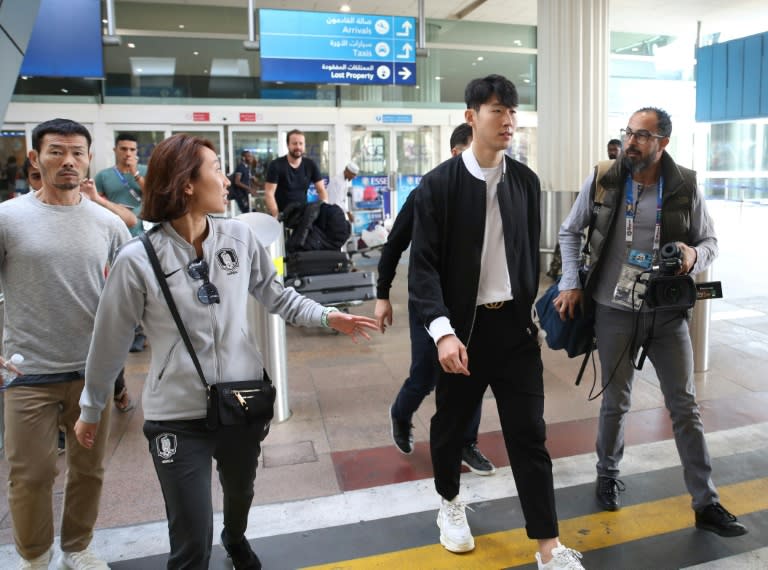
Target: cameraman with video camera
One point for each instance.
(647, 212)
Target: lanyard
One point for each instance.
(127, 185)
(629, 217)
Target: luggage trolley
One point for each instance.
(327, 277)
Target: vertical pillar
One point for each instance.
(573, 50)
(427, 68)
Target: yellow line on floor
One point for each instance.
(590, 532)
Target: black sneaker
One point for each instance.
(715, 518)
(243, 557)
(607, 492)
(478, 463)
(402, 434)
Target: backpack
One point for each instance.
(316, 226)
(232, 190)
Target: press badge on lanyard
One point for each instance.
(629, 291)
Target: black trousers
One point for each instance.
(182, 452)
(503, 354)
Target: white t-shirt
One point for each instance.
(337, 191)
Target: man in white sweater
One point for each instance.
(55, 248)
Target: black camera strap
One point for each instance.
(640, 361)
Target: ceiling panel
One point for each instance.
(654, 16)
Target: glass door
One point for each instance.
(417, 153)
(13, 152)
(371, 150)
(262, 143)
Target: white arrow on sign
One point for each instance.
(404, 73)
(406, 27)
(405, 51)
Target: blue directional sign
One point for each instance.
(330, 47)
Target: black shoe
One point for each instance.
(138, 343)
(243, 557)
(402, 434)
(478, 463)
(715, 518)
(607, 492)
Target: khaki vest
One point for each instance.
(608, 201)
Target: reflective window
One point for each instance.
(370, 149)
(732, 146)
(737, 166)
(13, 151)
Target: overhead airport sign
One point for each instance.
(332, 47)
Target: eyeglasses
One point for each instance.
(207, 294)
(640, 136)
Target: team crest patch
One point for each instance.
(166, 444)
(227, 260)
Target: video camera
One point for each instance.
(665, 290)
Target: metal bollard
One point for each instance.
(699, 327)
(270, 328)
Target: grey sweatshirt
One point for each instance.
(225, 344)
(52, 266)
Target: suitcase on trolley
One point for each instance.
(336, 287)
(319, 262)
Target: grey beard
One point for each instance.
(636, 167)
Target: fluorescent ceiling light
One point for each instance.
(221, 67)
(153, 65)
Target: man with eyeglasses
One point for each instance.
(660, 203)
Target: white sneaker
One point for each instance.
(83, 560)
(455, 535)
(562, 559)
(39, 563)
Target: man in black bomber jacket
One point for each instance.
(472, 279)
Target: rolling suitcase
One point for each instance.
(336, 287)
(319, 262)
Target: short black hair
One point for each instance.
(663, 120)
(58, 127)
(291, 133)
(126, 137)
(617, 142)
(461, 135)
(25, 168)
(479, 91)
(244, 152)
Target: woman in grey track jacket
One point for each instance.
(211, 265)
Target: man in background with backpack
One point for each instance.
(241, 182)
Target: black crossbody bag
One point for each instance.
(228, 403)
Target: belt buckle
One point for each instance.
(495, 305)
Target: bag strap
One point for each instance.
(583, 366)
(172, 305)
(596, 198)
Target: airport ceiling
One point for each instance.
(205, 37)
(648, 16)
